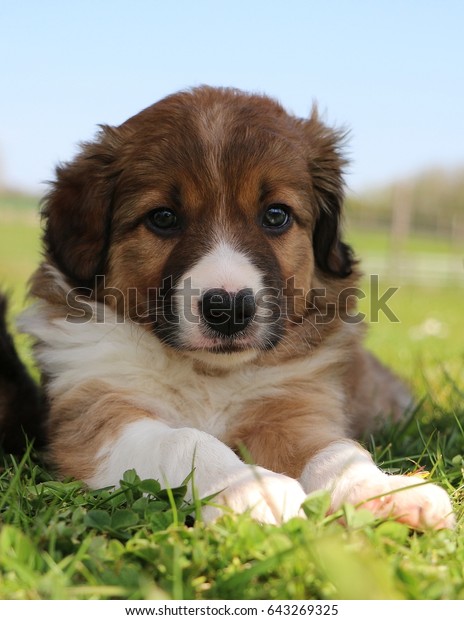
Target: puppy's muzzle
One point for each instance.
(228, 313)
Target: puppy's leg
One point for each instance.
(346, 470)
(155, 450)
(98, 435)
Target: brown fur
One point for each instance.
(282, 434)
(81, 421)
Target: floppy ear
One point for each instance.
(77, 210)
(326, 164)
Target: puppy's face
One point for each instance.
(208, 214)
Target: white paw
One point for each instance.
(408, 499)
(269, 497)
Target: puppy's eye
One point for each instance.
(276, 217)
(162, 220)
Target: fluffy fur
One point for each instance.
(180, 322)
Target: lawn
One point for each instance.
(61, 541)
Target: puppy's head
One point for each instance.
(207, 214)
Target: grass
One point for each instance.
(376, 241)
(59, 540)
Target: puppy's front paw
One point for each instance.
(269, 497)
(408, 499)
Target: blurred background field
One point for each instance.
(411, 233)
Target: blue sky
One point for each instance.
(392, 71)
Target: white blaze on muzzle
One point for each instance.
(217, 293)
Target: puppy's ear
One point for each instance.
(326, 165)
(77, 211)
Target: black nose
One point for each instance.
(228, 313)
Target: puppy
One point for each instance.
(196, 311)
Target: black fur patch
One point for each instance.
(21, 402)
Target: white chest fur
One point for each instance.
(130, 359)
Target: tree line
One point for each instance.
(430, 203)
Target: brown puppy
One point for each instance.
(196, 299)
